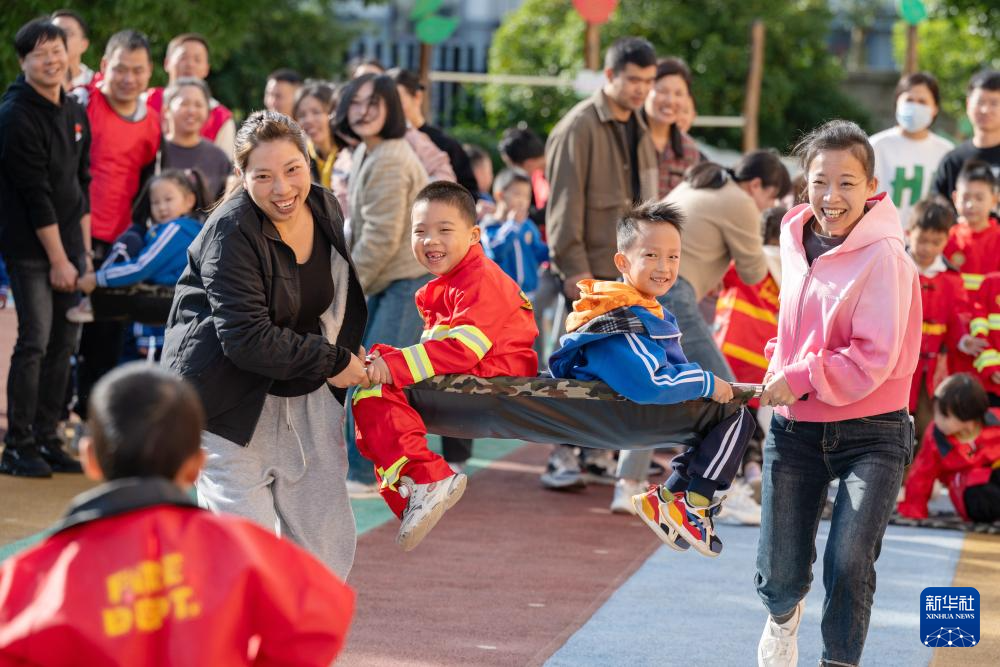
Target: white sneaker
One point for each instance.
(82, 313)
(739, 508)
(624, 490)
(427, 504)
(779, 644)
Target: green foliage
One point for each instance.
(801, 78)
(960, 38)
(249, 38)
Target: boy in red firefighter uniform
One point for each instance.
(985, 327)
(477, 321)
(945, 344)
(974, 243)
(137, 574)
(961, 449)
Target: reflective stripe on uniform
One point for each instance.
(934, 329)
(390, 476)
(987, 359)
(745, 355)
(473, 338)
(972, 281)
(371, 392)
(980, 326)
(730, 301)
(418, 362)
(436, 332)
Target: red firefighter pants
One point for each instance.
(392, 435)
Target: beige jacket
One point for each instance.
(587, 170)
(381, 190)
(720, 225)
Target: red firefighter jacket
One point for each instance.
(136, 574)
(974, 253)
(986, 324)
(476, 321)
(958, 465)
(746, 318)
(947, 314)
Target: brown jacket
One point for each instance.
(381, 190)
(587, 169)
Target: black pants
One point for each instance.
(100, 346)
(39, 366)
(712, 465)
(982, 503)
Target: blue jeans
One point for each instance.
(699, 347)
(868, 456)
(39, 366)
(393, 319)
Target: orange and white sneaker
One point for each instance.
(651, 508)
(694, 523)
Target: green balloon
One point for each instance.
(435, 29)
(912, 11)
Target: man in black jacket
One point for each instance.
(45, 237)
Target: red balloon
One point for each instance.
(595, 11)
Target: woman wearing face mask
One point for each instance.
(907, 155)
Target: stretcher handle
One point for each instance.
(745, 391)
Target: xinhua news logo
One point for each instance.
(949, 617)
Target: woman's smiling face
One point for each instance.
(277, 178)
(838, 189)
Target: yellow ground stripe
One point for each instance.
(978, 567)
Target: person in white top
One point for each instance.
(907, 155)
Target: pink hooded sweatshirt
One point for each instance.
(849, 325)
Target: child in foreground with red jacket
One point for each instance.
(476, 321)
(961, 449)
(137, 574)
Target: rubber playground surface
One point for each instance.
(517, 575)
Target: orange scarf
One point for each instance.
(598, 297)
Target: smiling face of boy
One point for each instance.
(651, 264)
(441, 236)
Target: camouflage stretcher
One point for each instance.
(143, 303)
(551, 410)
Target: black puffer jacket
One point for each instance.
(229, 326)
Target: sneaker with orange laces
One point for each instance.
(651, 508)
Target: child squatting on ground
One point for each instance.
(476, 321)
(137, 574)
(961, 449)
(620, 334)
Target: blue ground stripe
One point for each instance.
(683, 609)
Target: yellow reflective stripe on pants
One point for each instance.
(371, 392)
(473, 338)
(418, 362)
(390, 475)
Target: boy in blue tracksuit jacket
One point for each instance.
(620, 334)
(510, 237)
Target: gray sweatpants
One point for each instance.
(291, 478)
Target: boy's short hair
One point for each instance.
(932, 214)
(452, 194)
(509, 177)
(519, 144)
(988, 79)
(976, 171)
(649, 212)
(770, 223)
(144, 421)
(625, 50)
(128, 40)
(962, 397)
(36, 32)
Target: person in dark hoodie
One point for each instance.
(44, 179)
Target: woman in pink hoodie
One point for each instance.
(847, 345)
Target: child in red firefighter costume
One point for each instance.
(137, 574)
(477, 321)
(945, 343)
(974, 243)
(961, 449)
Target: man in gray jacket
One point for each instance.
(599, 160)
